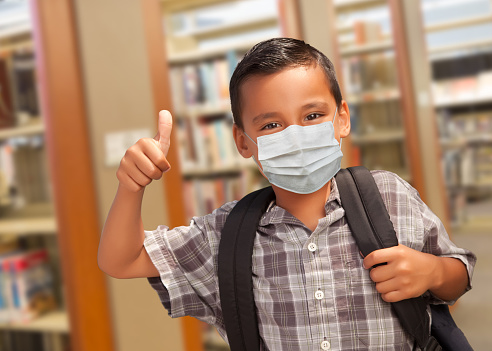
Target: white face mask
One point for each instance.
(300, 159)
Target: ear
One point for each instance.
(344, 120)
(241, 142)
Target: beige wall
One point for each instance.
(118, 97)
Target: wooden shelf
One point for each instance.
(453, 143)
(374, 95)
(462, 46)
(379, 137)
(29, 129)
(28, 226)
(206, 110)
(20, 29)
(32, 219)
(51, 322)
(367, 48)
(458, 23)
(480, 138)
(348, 5)
(7, 48)
(201, 55)
(225, 28)
(463, 102)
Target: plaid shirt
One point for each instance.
(310, 288)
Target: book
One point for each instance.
(25, 86)
(7, 115)
(27, 284)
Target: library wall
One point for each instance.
(119, 99)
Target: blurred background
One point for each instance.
(81, 81)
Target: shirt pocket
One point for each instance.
(376, 325)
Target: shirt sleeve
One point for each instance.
(433, 237)
(186, 259)
(437, 242)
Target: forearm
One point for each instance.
(451, 278)
(122, 237)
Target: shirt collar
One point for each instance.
(276, 215)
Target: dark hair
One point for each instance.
(272, 56)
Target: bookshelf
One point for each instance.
(206, 39)
(204, 42)
(367, 57)
(375, 47)
(39, 182)
(460, 57)
(27, 219)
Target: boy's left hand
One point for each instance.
(408, 272)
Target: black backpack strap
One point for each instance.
(235, 270)
(372, 229)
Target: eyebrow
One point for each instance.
(263, 116)
(315, 104)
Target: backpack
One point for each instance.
(371, 226)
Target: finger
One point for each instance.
(393, 296)
(139, 177)
(164, 128)
(379, 257)
(381, 274)
(128, 182)
(156, 156)
(147, 167)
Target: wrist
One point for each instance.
(129, 191)
(437, 278)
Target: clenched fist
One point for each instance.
(146, 159)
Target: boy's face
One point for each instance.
(271, 103)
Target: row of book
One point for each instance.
(369, 73)
(468, 177)
(464, 66)
(375, 116)
(26, 285)
(18, 93)
(468, 167)
(22, 341)
(203, 195)
(390, 156)
(23, 171)
(202, 84)
(464, 125)
(463, 89)
(206, 143)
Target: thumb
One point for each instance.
(164, 127)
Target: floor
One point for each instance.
(473, 313)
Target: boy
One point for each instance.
(312, 289)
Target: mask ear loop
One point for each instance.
(333, 122)
(260, 168)
(250, 139)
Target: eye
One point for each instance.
(271, 126)
(312, 116)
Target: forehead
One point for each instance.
(284, 91)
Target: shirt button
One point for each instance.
(312, 247)
(319, 295)
(325, 345)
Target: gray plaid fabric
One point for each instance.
(309, 297)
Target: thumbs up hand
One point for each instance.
(146, 159)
